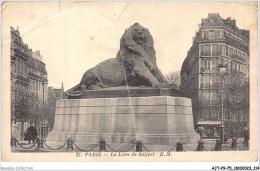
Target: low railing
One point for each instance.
(102, 146)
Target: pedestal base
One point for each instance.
(162, 120)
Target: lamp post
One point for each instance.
(40, 144)
(222, 70)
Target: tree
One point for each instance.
(27, 108)
(235, 91)
(174, 79)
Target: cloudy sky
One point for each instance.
(75, 36)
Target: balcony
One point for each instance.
(206, 39)
(236, 43)
(214, 53)
(228, 40)
(12, 59)
(205, 102)
(21, 54)
(205, 54)
(215, 102)
(33, 76)
(22, 79)
(238, 73)
(238, 58)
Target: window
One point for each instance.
(206, 65)
(230, 51)
(205, 34)
(214, 96)
(235, 52)
(229, 68)
(218, 34)
(205, 113)
(206, 50)
(213, 80)
(221, 50)
(214, 65)
(212, 34)
(243, 55)
(226, 50)
(215, 112)
(214, 49)
(205, 81)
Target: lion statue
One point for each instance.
(135, 64)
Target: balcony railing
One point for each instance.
(22, 79)
(212, 85)
(34, 76)
(12, 58)
(215, 102)
(205, 54)
(21, 54)
(206, 39)
(228, 39)
(239, 58)
(205, 102)
(236, 43)
(238, 72)
(217, 53)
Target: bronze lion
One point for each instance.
(135, 64)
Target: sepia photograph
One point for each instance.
(129, 81)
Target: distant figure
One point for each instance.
(200, 146)
(31, 134)
(179, 147)
(225, 138)
(234, 143)
(218, 145)
(201, 129)
(246, 136)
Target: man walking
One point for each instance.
(246, 136)
(31, 134)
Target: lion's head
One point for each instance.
(137, 35)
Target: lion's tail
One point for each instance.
(72, 89)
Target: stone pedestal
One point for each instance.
(162, 120)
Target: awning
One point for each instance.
(209, 123)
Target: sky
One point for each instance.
(75, 36)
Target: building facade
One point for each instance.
(29, 81)
(218, 42)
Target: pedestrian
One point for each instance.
(246, 136)
(31, 134)
(201, 129)
(234, 142)
(225, 138)
(218, 145)
(200, 146)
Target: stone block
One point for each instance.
(162, 120)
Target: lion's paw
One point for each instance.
(161, 85)
(94, 87)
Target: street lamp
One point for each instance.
(222, 70)
(40, 143)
